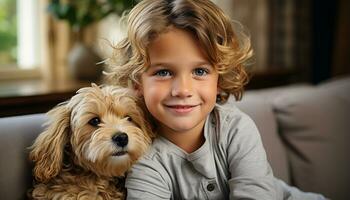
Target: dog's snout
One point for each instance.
(121, 139)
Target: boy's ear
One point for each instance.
(139, 90)
(219, 90)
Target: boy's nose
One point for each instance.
(182, 87)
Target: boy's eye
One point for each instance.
(163, 72)
(200, 72)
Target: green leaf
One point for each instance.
(81, 13)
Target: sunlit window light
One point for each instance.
(28, 34)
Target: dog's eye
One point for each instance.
(95, 121)
(128, 118)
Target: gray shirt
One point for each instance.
(231, 164)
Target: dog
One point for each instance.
(90, 141)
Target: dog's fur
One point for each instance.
(77, 157)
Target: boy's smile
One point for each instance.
(181, 109)
(180, 86)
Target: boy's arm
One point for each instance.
(136, 195)
(251, 174)
(144, 181)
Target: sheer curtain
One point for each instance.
(280, 32)
(253, 16)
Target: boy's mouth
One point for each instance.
(181, 108)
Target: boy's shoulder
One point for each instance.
(229, 119)
(229, 111)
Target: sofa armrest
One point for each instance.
(16, 135)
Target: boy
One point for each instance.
(183, 57)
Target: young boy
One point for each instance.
(183, 57)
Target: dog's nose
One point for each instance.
(121, 139)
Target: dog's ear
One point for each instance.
(48, 149)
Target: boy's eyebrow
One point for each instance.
(170, 64)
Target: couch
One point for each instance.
(304, 128)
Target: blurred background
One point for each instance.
(49, 48)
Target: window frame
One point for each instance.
(13, 71)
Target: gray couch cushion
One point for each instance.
(260, 110)
(17, 134)
(314, 122)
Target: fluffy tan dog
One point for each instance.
(89, 142)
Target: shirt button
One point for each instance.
(210, 187)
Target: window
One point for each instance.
(8, 33)
(19, 38)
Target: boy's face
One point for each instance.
(180, 87)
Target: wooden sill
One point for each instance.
(34, 96)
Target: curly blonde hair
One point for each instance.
(213, 29)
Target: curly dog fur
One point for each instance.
(89, 141)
